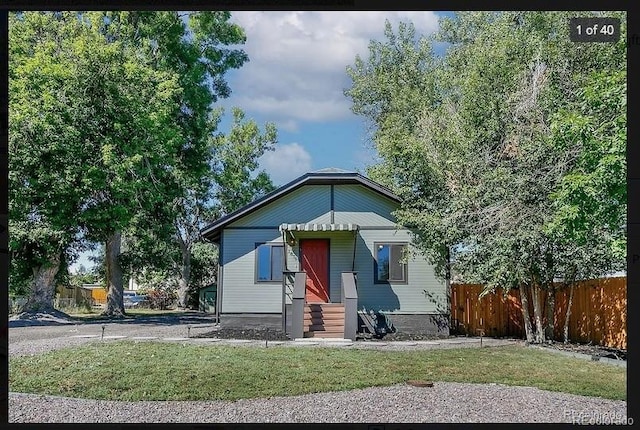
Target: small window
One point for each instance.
(269, 262)
(388, 264)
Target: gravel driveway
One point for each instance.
(444, 402)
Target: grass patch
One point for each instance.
(161, 371)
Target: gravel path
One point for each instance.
(444, 402)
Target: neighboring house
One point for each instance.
(132, 285)
(304, 257)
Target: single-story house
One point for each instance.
(319, 256)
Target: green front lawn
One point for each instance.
(164, 371)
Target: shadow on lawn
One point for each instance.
(57, 318)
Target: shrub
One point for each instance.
(16, 303)
(161, 298)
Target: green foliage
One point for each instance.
(149, 279)
(204, 268)
(391, 90)
(231, 182)
(92, 135)
(45, 178)
(593, 195)
(236, 159)
(160, 238)
(83, 277)
(514, 153)
(121, 104)
(513, 158)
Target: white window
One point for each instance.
(269, 262)
(388, 264)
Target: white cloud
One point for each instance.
(305, 109)
(286, 163)
(297, 60)
(289, 125)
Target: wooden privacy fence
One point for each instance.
(99, 296)
(72, 296)
(598, 312)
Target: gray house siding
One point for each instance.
(310, 203)
(359, 205)
(241, 291)
(397, 297)
(240, 285)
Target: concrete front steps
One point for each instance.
(323, 320)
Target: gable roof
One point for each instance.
(330, 176)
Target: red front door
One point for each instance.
(314, 254)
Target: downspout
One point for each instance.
(284, 282)
(284, 241)
(355, 241)
(219, 279)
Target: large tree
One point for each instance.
(129, 98)
(232, 181)
(89, 119)
(229, 185)
(41, 204)
(194, 45)
(488, 166)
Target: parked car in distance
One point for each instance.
(133, 300)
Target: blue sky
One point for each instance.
(295, 78)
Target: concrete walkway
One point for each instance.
(461, 342)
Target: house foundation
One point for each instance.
(252, 321)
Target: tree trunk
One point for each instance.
(537, 313)
(43, 286)
(551, 311)
(565, 331)
(185, 274)
(524, 300)
(115, 302)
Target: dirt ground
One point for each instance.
(597, 350)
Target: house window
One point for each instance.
(269, 262)
(388, 264)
